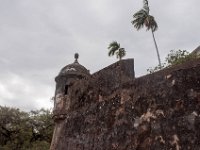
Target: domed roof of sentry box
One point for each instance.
(74, 68)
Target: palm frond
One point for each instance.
(111, 53)
(138, 23)
(145, 2)
(139, 19)
(140, 13)
(113, 44)
(121, 53)
(113, 47)
(142, 18)
(146, 6)
(150, 23)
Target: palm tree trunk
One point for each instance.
(158, 55)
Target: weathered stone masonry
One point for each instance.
(108, 111)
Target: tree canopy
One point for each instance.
(174, 57)
(25, 130)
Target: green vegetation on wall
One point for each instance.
(175, 57)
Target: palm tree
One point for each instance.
(115, 49)
(143, 18)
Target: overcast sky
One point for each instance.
(39, 37)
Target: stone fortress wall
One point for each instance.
(113, 110)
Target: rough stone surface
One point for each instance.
(159, 111)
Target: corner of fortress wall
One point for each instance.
(156, 111)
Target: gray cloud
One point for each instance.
(39, 37)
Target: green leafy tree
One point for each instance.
(115, 49)
(41, 124)
(178, 57)
(175, 57)
(143, 18)
(13, 128)
(25, 131)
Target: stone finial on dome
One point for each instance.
(76, 55)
